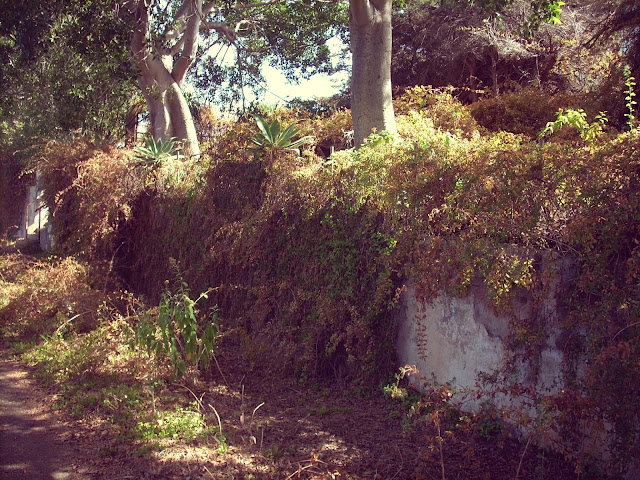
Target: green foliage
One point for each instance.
(181, 423)
(553, 12)
(272, 136)
(292, 36)
(578, 119)
(156, 151)
(13, 185)
(174, 331)
(544, 10)
(397, 392)
(630, 83)
(69, 71)
(540, 11)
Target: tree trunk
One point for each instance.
(161, 78)
(170, 115)
(371, 101)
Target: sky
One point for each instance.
(279, 90)
(318, 86)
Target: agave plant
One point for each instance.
(156, 150)
(273, 136)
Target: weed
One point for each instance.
(148, 448)
(274, 451)
(630, 83)
(578, 119)
(107, 452)
(323, 410)
(488, 422)
(176, 333)
(184, 423)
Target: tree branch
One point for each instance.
(190, 41)
(175, 49)
(255, 5)
(220, 27)
(139, 46)
(206, 9)
(361, 11)
(175, 29)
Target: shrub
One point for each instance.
(89, 190)
(438, 104)
(61, 294)
(175, 331)
(307, 256)
(526, 111)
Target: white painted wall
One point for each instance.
(35, 221)
(453, 339)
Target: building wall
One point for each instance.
(35, 221)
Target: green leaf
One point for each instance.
(275, 131)
(290, 132)
(264, 128)
(301, 141)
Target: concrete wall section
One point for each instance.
(453, 339)
(444, 340)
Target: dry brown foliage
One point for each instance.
(89, 190)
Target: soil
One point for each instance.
(308, 432)
(34, 443)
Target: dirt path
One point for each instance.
(35, 443)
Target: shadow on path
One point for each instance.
(30, 444)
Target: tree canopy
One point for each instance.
(65, 68)
(71, 65)
(227, 43)
(77, 65)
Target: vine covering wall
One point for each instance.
(307, 256)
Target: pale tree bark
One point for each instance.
(371, 101)
(163, 70)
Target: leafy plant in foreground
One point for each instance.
(629, 82)
(273, 136)
(175, 331)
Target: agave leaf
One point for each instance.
(156, 150)
(264, 128)
(167, 147)
(142, 150)
(274, 129)
(300, 141)
(289, 132)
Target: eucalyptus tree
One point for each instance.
(371, 47)
(222, 45)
